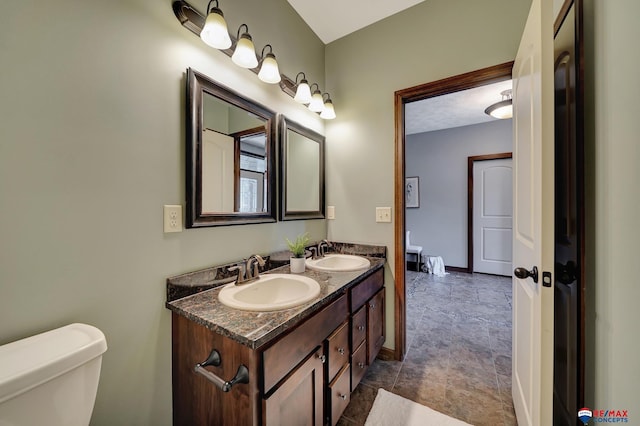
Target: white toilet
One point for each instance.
(51, 378)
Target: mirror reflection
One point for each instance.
(303, 172)
(230, 157)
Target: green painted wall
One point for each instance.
(430, 41)
(91, 146)
(613, 202)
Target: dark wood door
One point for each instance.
(375, 325)
(568, 378)
(299, 400)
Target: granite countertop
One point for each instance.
(255, 329)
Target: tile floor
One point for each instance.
(458, 357)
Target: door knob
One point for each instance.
(522, 273)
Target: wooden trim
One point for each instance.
(456, 268)
(399, 230)
(401, 97)
(580, 189)
(470, 161)
(386, 354)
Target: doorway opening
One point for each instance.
(442, 87)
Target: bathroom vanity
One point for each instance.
(295, 366)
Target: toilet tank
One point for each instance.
(51, 378)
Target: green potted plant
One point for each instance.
(297, 249)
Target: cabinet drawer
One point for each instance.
(362, 292)
(358, 327)
(283, 356)
(358, 365)
(338, 349)
(339, 394)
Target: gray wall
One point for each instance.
(82, 187)
(439, 159)
(430, 41)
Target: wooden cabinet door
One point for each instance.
(375, 325)
(299, 400)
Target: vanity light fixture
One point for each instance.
(328, 112)
(215, 33)
(245, 53)
(269, 72)
(212, 29)
(317, 103)
(502, 109)
(303, 92)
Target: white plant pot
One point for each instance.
(296, 265)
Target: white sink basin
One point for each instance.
(270, 292)
(338, 263)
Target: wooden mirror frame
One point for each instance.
(285, 125)
(197, 85)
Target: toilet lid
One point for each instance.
(29, 362)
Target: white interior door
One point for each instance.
(218, 171)
(492, 216)
(533, 219)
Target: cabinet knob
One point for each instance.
(361, 327)
(372, 306)
(341, 351)
(322, 358)
(361, 364)
(344, 397)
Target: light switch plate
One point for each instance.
(383, 214)
(172, 218)
(331, 212)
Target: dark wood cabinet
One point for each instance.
(375, 325)
(299, 400)
(303, 377)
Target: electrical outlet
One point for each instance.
(172, 218)
(331, 212)
(383, 214)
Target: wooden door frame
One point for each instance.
(470, 162)
(453, 84)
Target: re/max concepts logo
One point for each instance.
(603, 416)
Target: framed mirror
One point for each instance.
(230, 155)
(302, 172)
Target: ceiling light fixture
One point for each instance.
(502, 109)
(303, 92)
(215, 33)
(317, 103)
(269, 72)
(245, 53)
(328, 112)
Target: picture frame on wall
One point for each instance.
(412, 192)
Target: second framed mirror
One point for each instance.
(302, 172)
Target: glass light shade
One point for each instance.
(501, 110)
(269, 72)
(328, 113)
(245, 54)
(215, 32)
(316, 104)
(303, 93)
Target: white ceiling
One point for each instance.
(453, 110)
(332, 19)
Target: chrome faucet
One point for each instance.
(322, 246)
(245, 272)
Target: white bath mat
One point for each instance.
(392, 410)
